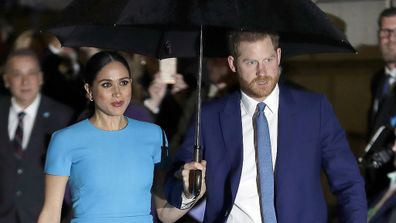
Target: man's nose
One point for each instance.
(25, 79)
(392, 37)
(261, 69)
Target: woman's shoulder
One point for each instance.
(74, 129)
(142, 125)
(145, 130)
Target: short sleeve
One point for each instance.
(161, 154)
(58, 161)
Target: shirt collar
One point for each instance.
(272, 102)
(392, 178)
(30, 110)
(391, 72)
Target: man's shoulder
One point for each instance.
(221, 102)
(377, 76)
(54, 105)
(54, 110)
(299, 94)
(5, 103)
(5, 99)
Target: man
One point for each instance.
(383, 96)
(28, 120)
(304, 137)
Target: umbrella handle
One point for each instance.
(196, 175)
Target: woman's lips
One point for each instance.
(117, 103)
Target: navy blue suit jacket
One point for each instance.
(309, 139)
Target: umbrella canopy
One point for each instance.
(171, 28)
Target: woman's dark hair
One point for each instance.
(100, 60)
(93, 67)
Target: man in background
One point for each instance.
(28, 120)
(383, 105)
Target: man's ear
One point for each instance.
(41, 78)
(231, 63)
(5, 80)
(279, 53)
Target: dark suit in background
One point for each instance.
(22, 181)
(383, 105)
(383, 108)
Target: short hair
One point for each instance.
(21, 52)
(236, 37)
(100, 60)
(388, 12)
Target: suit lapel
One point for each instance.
(287, 112)
(4, 113)
(38, 125)
(231, 126)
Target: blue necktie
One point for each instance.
(266, 176)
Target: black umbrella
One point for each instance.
(195, 28)
(171, 28)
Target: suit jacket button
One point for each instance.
(19, 171)
(19, 193)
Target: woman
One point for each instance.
(108, 159)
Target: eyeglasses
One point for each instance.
(386, 33)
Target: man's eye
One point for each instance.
(106, 85)
(268, 60)
(14, 73)
(250, 62)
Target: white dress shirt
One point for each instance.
(28, 119)
(392, 74)
(246, 207)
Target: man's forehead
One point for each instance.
(22, 58)
(389, 21)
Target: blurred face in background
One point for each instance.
(23, 77)
(217, 69)
(111, 90)
(387, 39)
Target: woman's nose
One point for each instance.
(116, 91)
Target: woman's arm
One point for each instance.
(54, 193)
(166, 212)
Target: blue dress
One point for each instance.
(110, 172)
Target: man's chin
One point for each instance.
(390, 61)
